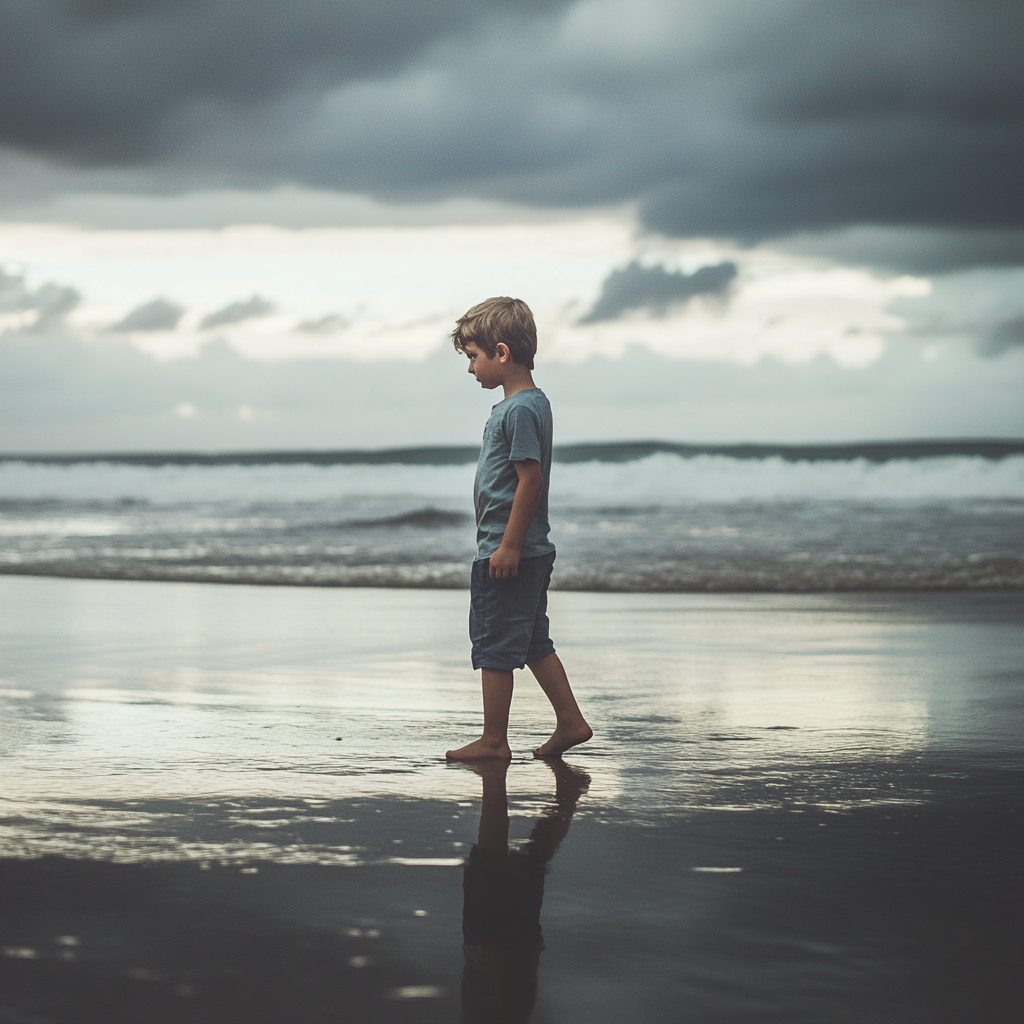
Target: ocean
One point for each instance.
(944, 515)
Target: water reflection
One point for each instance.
(503, 889)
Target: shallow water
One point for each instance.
(227, 803)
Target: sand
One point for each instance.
(229, 803)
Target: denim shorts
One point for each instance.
(508, 619)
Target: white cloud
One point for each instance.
(397, 290)
(779, 307)
(799, 348)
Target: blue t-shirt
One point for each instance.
(519, 428)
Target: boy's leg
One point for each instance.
(571, 727)
(484, 611)
(501, 622)
(497, 688)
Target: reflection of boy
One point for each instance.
(508, 621)
(503, 891)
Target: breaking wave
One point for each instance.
(661, 478)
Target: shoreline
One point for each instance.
(205, 786)
(607, 588)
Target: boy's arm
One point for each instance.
(505, 561)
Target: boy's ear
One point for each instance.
(502, 351)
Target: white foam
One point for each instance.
(416, 992)
(99, 481)
(426, 862)
(662, 479)
(669, 479)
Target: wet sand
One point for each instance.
(230, 804)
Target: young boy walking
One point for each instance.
(508, 622)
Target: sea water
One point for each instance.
(624, 518)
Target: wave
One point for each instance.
(613, 451)
(173, 484)
(424, 518)
(764, 577)
(669, 480)
(661, 479)
(874, 451)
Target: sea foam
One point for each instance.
(660, 479)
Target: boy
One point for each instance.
(508, 621)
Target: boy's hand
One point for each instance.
(505, 563)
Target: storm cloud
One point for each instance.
(237, 312)
(157, 315)
(655, 289)
(720, 119)
(122, 81)
(329, 324)
(1004, 337)
(50, 302)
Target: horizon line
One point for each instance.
(587, 451)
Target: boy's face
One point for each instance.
(488, 370)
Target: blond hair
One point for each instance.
(499, 320)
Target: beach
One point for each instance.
(230, 803)
(740, 293)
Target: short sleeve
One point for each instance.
(523, 432)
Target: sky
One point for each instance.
(230, 224)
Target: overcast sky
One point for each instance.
(228, 223)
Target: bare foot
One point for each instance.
(480, 750)
(563, 738)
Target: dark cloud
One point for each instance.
(1004, 337)
(914, 250)
(655, 289)
(722, 119)
(157, 315)
(51, 302)
(330, 324)
(102, 81)
(236, 312)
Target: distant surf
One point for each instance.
(612, 451)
